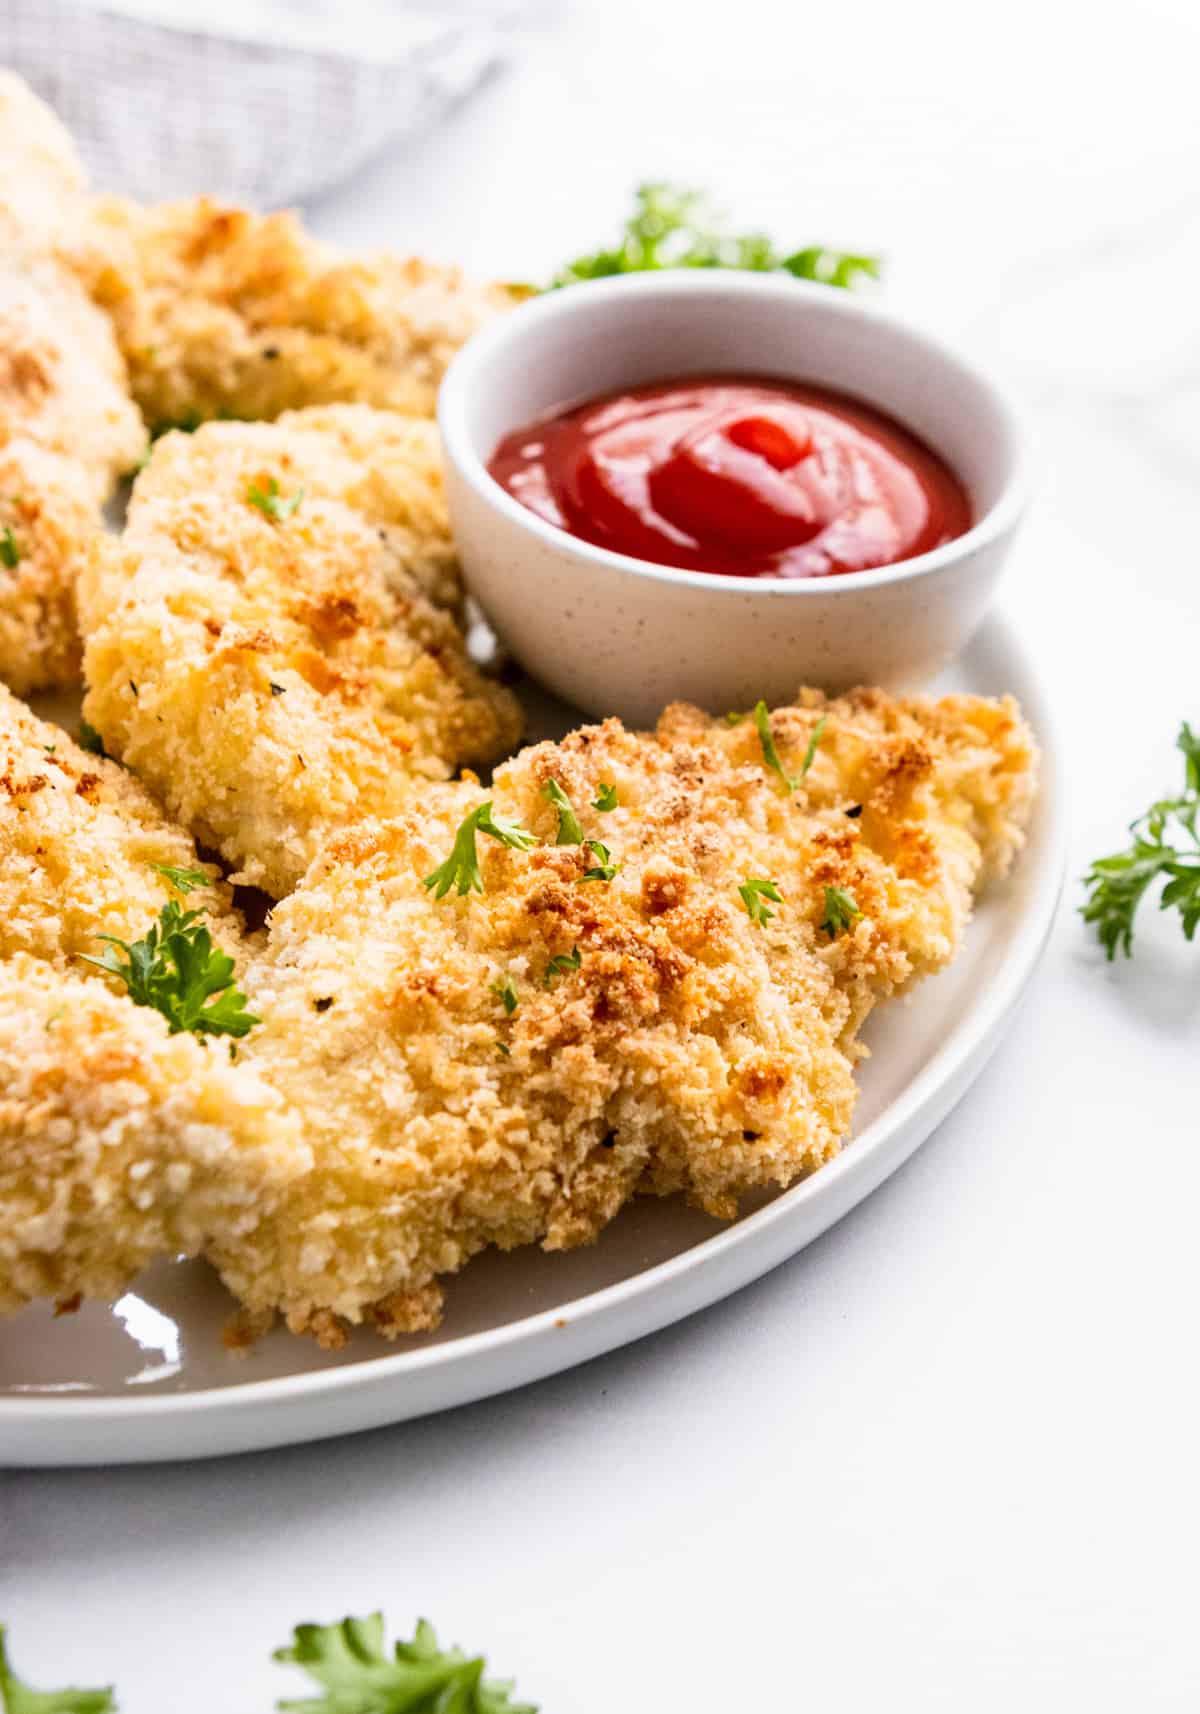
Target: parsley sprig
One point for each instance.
(353, 1668)
(562, 964)
(461, 869)
(352, 1671)
(673, 226)
(841, 911)
(605, 799)
(771, 757)
(569, 830)
(176, 969)
(270, 502)
(1164, 846)
(17, 1698)
(754, 893)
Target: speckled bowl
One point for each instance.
(617, 635)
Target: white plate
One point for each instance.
(148, 1379)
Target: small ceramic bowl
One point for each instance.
(616, 635)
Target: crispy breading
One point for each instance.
(118, 1141)
(277, 677)
(221, 312)
(68, 429)
(391, 1114)
(689, 1049)
(42, 184)
(79, 838)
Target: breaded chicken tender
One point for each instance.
(510, 1066)
(498, 1067)
(220, 312)
(118, 1141)
(261, 646)
(68, 429)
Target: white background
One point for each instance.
(946, 1459)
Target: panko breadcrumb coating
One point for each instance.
(68, 429)
(275, 672)
(42, 185)
(392, 1114)
(118, 1141)
(79, 838)
(220, 312)
(676, 1045)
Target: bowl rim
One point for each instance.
(998, 521)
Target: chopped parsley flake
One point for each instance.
(569, 830)
(461, 869)
(184, 881)
(605, 799)
(10, 551)
(90, 740)
(840, 911)
(271, 503)
(754, 893)
(817, 733)
(771, 757)
(506, 993)
(604, 869)
(562, 963)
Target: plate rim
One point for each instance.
(47, 1429)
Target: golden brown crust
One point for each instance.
(220, 312)
(292, 675)
(372, 1134)
(690, 1050)
(68, 429)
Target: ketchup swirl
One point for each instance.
(744, 476)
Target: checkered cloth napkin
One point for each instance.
(266, 102)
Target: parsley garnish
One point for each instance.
(569, 830)
(733, 718)
(17, 1698)
(814, 739)
(10, 552)
(561, 964)
(503, 1047)
(350, 1666)
(461, 868)
(605, 799)
(90, 740)
(506, 993)
(762, 720)
(674, 227)
(358, 1676)
(840, 911)
(604, 869)
(754, 892)
(184, 881)
(176, 969)
(271, 503)
(1117, 884)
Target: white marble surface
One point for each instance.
(946, 1458)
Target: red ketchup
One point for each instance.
(741, 475)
